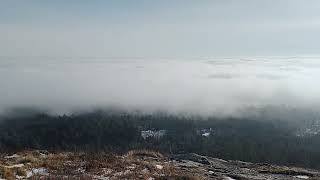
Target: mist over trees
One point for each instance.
(246, 139)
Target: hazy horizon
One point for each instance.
(200, 86)
(177, 56)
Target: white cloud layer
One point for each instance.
(202, 86)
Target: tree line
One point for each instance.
(230, 138)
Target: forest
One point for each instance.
(243, 139)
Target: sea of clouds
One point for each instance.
(220, 86)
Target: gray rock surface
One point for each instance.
(213, 168)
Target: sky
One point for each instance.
(202, 57)
(158, 29)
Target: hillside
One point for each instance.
(139, 165)
(246, 139)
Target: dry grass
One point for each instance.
(21, 172)
(29, 158)
(60, 163)
(7, 173)
(144, 153)
(136, 164)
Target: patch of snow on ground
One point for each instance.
(159, 167)
(302, 177)
(207, 134)
(100, 177)
(107, 171)
(229, 178)
(40, 171)
(19, 177)
(153, 134)
(43, 155)
(15, 166)
(131, 167)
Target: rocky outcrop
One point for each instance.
(141, 164)
(213, 168)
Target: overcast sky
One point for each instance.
(166, 28)
(168, 55)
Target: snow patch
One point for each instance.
(302, 177)
(19, 177)
(40, 171)
(154, 134)
(229, 178)
(100, 177)
(15, 166)
(207, 134)
(159, 167)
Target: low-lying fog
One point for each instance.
(220, 86)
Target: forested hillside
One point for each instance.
(228, 138)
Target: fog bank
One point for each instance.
(220, 86)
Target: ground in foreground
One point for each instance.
(138, 164)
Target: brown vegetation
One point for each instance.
(135, 164)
